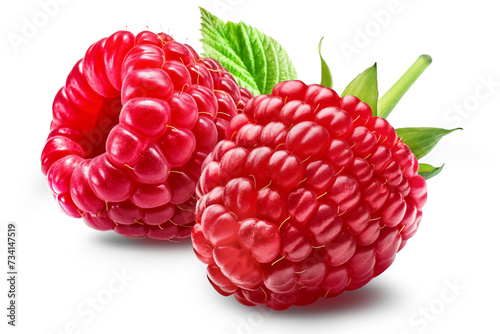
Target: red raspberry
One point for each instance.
(130, 129)
(310, 195)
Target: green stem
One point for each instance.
(396, 92)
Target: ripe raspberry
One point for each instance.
(310, 195)
(130, 129)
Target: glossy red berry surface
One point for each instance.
(130, 130)
(308, 196)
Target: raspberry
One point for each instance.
(308, 196)
(130, 130)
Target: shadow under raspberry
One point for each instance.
(374, 294)
(119, 241)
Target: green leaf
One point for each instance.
(422, 140)
(365, 88)
(428, 171)
(256, 61)
(396, 92)
(326, 74)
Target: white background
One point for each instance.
(63, 265)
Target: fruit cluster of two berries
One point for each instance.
(288, 197)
